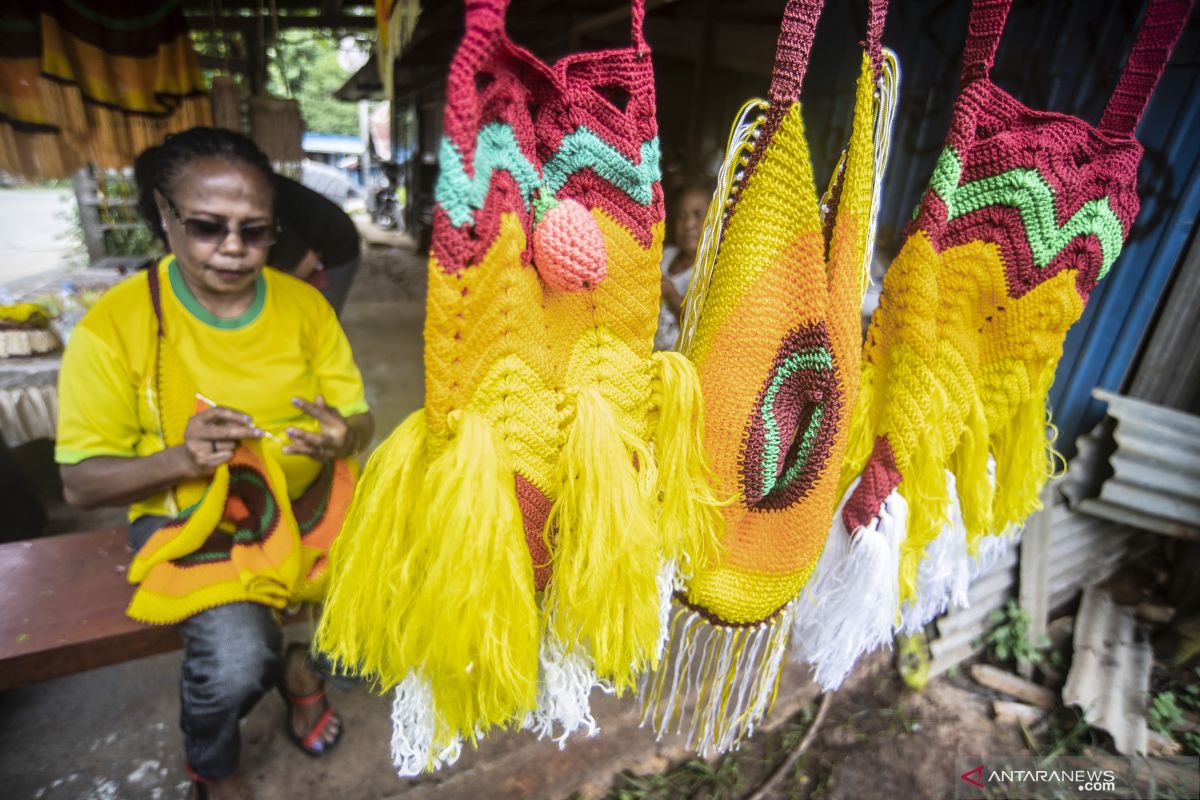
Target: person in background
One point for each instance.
(685, 226)
(317, 241)
(138, 426)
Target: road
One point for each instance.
(36, 236)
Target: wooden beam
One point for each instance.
(1033, 586)
(239, 22)
(220, 64)
(608, 18)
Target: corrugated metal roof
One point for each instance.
(1110, 672)
(1083, 551)
(1140, 467)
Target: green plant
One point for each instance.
(1169, 711)
(1009, 640)
(1164, 712)
(719, 780)
(1066, 733)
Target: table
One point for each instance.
(28, 398)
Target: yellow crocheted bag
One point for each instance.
(773, 324)
(514, 543)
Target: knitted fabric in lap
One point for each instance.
(239, 538)
(1025, 212)
(521, 522)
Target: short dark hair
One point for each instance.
(156, 168)
(700, 185)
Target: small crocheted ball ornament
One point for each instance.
(568, 248)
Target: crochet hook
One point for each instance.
(214, 404)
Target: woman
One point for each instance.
(222, 491)
(678, 259)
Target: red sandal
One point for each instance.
(311, 741)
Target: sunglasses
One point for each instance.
(208, 231)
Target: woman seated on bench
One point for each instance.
(234, 499)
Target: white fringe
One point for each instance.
(944, 573)
(566, 677)
(848, 607)
(726, 674)
(741, 140)
(413, 722)
(991, 549)
(670, 581)
(565, 681)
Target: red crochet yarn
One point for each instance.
(993, 132)
(494, 82)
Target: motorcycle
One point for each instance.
(384, 202)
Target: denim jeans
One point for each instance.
(233, 655)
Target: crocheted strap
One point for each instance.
(791, 53)
(1160, 30)
(155, 296)
(1156, 38)
(876, 16)
(795, 43)
(984, 28)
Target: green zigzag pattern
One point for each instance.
(813, 359)
(1028, 192)
(496, 149)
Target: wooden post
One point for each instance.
(704, 56)
(1034, 575)
(93, 232)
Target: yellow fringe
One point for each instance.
(969, 463)
(431, 574)
(362, 625)
(690, 521)
(604, 590)
(1024, 462)
(471, 624)
(860, 440)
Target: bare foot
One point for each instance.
(230, 788)
(299, 681)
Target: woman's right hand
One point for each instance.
(211, 437)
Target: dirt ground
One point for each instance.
(878, 735)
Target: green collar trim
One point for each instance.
(184, 293)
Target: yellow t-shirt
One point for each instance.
(287, 344)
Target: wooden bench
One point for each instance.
(62, 608)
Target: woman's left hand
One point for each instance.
(334, 440)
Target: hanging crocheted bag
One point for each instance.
(1026, 210)
(773, 324)
(504, 553)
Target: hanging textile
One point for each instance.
(30, 144)
(773, 324)
(516, 541)
(395, 23)
(276, 123)
(95, 83)
(1025, 211)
